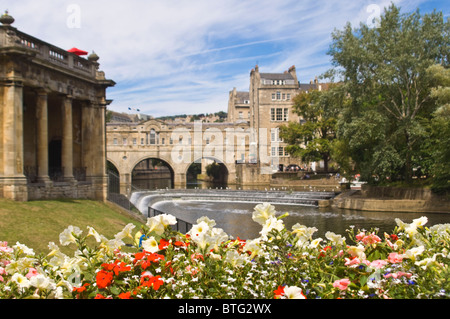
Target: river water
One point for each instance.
(235, 218)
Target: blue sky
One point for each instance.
(184, 56)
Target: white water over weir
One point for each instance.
(144, 201)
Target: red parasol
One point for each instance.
(77, 51)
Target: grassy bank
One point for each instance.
(37, 223)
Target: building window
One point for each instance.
(124, 141)
(152, 137)
(274, 151)
(241, 115)
(163, 141)
(275, 135)
(280, 151)
(142, 141)
(278, 96)
(115, 142)
(279, 114)
(134, 141)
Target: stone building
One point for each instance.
(266, 106)
(52, 120)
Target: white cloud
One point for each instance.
(184, 56)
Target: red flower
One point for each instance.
(163, 244)
(324, 250)
(104, 279)
(279, 292)
(125, 295)
(394, 237)
(80, 289)
(149, 281)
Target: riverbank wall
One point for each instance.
(392, 199)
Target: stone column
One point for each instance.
(67, 139)
(42, 136)
(14, 180)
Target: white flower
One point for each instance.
(24, 249)
(315, 243)
(125, 232)
(41, 282)
(271, 224)
(150, 245)
(428, 261)
(67, 237)
(293, 293)
(413, 252)
(253, 246)
(234, 258)
(211, 222)
(20, 280)
(411, 229)
(155, 225)
(357, 251)
(336, 239)
(94, 233)
(262, 212)
(199, 229)
(166, 220)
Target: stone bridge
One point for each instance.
(180, 145)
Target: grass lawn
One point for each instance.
(36, 223)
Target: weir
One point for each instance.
(144, 201)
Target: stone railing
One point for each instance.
(12, 38)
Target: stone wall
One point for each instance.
(385, 199)
(61, 190)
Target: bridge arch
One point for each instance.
(224, 172)
(152, 172)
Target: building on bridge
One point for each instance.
(52, 117)
(247, 146)
(266, 106)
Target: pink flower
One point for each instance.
(360, 236)
(355, 262)
(395, 258)
(4, 247)
(398, 275)
(31, 273)
(370, 239)
(342, 284)
(378, 263)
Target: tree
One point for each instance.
(384, 71)
(439, 148)
(312, 138)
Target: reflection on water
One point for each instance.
(236, 218)
(152, 184)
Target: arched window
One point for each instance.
(152, 137)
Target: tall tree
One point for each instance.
(384, 72)
(439, 147)
(312, 138)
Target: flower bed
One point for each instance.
(156, 262)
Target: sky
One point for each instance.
(176, 57)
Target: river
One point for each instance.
(235, 218)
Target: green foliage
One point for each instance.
(312, 140)
(385, 72)
(213, 170)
